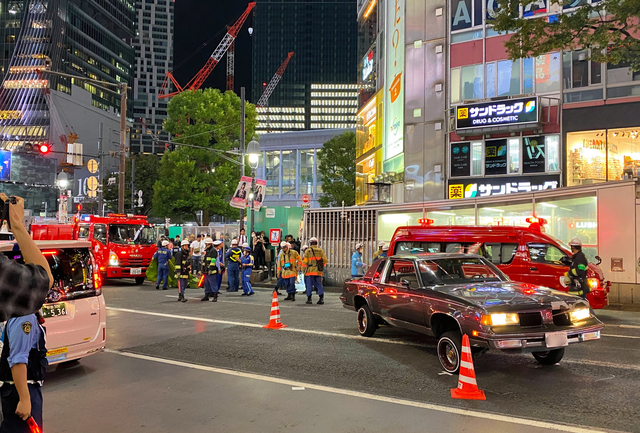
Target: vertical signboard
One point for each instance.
(5, 165)
(394, 85)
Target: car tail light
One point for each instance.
(97, 283)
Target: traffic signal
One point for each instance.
(79, 207)
(44, 148)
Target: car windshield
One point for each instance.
(458, 271)
(129, 234)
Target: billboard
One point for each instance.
(5, 165)
(394, 80)
(502, 113)
(487, 187)
(240, 196)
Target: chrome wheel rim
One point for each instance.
(362, 320)
(448, 355)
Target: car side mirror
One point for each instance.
(598, 260)
(566, 260)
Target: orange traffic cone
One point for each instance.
(467, 387)
(274, 320)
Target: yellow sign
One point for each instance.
(92, 166)
(463, 113)
(57, 351)
(456, 191)
(92, 194)
(492, 151)
(10, 114)
(92, 183)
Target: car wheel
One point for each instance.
(366, 321)
(139, 280)
(449, 351)
(550, 357)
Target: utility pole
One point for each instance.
(101, 155)
(133, 192)
(123, 139)
(242, 149)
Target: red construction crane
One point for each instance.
(264, 99)
(220, 51)
(231, 66)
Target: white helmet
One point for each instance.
(305, 246)
(381, 244)
(217, 242)
(234, 242)
(245, 245)
(208, 241)
(165, 243)
(358, 246)
(575, 242)
(284, 244)
(184, 242)
(313, 240)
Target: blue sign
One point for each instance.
(5, 165)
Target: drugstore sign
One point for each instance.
(487, 187)
(490, 114)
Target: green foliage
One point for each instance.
(337, 169)
(186, 184)
(146, 174)
(612, 36)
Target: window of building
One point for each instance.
(466, 83)
(288, 172)
(503, 78)
(476, 158)
(579, 71)
(272, 168)
(307, 162)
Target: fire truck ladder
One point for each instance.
(212, 62)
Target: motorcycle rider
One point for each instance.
(577, 275)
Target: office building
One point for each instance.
(323, 36)
(154, 57)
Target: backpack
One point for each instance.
(319, 263)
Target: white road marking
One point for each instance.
(220, 300)
(346, 392)
(620, 336)
(444, 373)
(350, 337)
(298, 388)
(629, 326)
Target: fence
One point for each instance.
(216, 231)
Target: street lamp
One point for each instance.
(63, 183)
(253, 150)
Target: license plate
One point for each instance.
(54, 310)
(556, 339)
(136, 271)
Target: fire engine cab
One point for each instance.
(123, 245)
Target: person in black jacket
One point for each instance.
(183, 269)
(577, 274)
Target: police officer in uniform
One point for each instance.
(22, 368)
(577, 274)
(233, 258)
(210, 271)
(378, 254)
(219, 245)
(163, 255)
(247, 268)
(183, 268)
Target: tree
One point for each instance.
(146, 175)
(612, 36)
(187, 184)
(337, 170)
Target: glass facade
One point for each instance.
(290, 174)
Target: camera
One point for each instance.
(4, 210)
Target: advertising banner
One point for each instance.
(486, 187)
(495, 157)
(490, 114)
(5, 165)
(533, 155)
(239, 199)
(461, 159)
(394, 78)
(259, 193)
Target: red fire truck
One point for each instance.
(123, 245)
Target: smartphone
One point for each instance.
(4, 210)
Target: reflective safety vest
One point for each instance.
(209, 263)
(313, 256)
(234, 254)
(183, 264)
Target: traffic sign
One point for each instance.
(92, 183)
(92, 166)
(306, 199)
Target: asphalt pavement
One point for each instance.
(197, 366)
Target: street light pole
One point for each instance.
(242, 150)
(123, 140)
(253, 149)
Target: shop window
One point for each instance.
(508, 78)
(495, 157)
(578, 71)
(476, 158)
(466, 83)
(545, 253)
(452, 217)
(505, 214)
(514, 155)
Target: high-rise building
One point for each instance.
(154, 57)
(323, 36)
(85, 38)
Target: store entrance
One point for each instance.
(602, 155)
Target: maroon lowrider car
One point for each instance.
(448, 295)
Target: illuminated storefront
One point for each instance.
(368, 149)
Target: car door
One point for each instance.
(545, 267)
(399, 298)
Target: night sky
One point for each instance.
(195, 23)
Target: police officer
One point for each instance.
(233, 257)
(219, 245)
(210, 271)
(247, 268)
(385, 252)
(577, 274)
(357, 267)
(288, 266)
(163, 255)
(183, 268)
(314, 262)
(22, 368)
(378, 254)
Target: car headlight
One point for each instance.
(113, 260)
(500, 319)
(579, 314)
(593, 283)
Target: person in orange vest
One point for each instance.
(314, 262)
(288, 267)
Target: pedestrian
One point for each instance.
(170, 246)
(159, 244)
(247, 268)
(378, 254)
(233, 266)
(357, 267)
(196, 252)
(218, 245)
(259, 251)
(304, 269)
(242, 239)
(314, 262)
(23, 364)
(577, 275)
(289, 266)
(183, 269)
(163, 255)
(210, 271)
(178, 241)
(279, 281)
